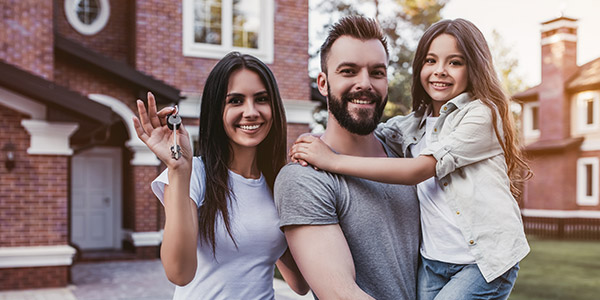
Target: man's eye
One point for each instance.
(347, 71)
(378, 73)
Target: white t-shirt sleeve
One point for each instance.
(197, 182)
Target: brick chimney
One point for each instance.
(559, 62)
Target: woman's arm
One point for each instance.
(178, 250)
(407, 171)
(290, 272)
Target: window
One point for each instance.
(587, 181)
(588, 115)
(87, 16)
(213, 28)
(531, 119)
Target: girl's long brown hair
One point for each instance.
(214, 146)
(483, 84)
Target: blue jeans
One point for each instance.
(444, 281)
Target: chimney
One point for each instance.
(559, 62)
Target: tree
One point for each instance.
(403, 22)
(506, 64)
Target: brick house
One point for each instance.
(561, 131)
(73, 175)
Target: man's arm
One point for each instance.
(322, 255)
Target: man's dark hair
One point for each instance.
(358, 27)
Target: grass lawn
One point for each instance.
(559, 269)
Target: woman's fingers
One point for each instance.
(144, 120)
(305, 138)
(139, 130)
(152, 115)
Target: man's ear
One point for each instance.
(322, 83)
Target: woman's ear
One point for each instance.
(322, 83)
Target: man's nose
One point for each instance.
(363, 81)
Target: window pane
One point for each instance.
(590, 111)
(87, 11)
(588, 180)
(535, 118)
(246, 23)
(207, 21)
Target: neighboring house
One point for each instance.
(73, 174)
(561, 132)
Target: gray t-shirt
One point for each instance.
(380, 222)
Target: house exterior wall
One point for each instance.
(26, 36)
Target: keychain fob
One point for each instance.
(173, 121)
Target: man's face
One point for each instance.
(356, 83)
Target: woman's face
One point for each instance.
(444, 74)
(247, 116)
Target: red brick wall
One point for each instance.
(294, 131)
(114, 40)
(159, 47)
(146, 205)
(31, 278)
(26, 36)
(34, 195)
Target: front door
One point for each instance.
(95, 196)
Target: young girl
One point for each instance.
(221, 236)
(462, 152)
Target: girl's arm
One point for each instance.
(178, 250)
(407, 171)
(290, 272)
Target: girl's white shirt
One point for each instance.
(244, 271)
(442, 239)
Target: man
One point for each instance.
(351, 238)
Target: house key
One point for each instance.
(173, 122)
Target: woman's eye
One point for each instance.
(264, 99)
(235, 100)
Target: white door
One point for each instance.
(95, 198)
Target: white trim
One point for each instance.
(87, 29)
(582, 197)
(299, 111)
(144, 239)
(142, 155)
(49, 138)
(590, 145)
(190, 106)
(550, 213)
(266, 41)
(528, 131)
(559, 24)
(22, 104)
(581, 107)
(37, 256)
(559, 37)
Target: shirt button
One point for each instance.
(458, 212)
(471, 242)
(445, 184)
(445, 107)
(435, 130)
(394, 136)
(414, 138)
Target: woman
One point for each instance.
(221, 236)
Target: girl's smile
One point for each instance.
(444, 74)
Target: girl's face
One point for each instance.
(444, 74)
(247, 116)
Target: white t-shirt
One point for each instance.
(245, 272)
(442, 239)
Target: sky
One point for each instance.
(517, 21)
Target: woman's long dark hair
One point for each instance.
(483, 84)
(214, 144)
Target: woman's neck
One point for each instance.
(244, 162)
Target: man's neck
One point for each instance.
(344, 142)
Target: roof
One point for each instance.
(554, 145)
(528, 94)
(53, 95)
(587, 76)
(164, 93)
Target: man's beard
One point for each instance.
(366, 119)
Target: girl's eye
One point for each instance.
(456, 63)
(430, 61)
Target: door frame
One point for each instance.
(115, 153)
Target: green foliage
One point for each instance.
(559, 270)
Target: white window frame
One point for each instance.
(582, 198)
(582, 99)
(528, 120)
(266, 36)
(87, 29)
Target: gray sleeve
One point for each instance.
(304, 196)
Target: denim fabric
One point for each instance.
(471, 171)
(444, 281)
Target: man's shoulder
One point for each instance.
(295, 172)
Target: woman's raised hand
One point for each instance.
(152, 129)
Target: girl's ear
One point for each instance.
(322, 83)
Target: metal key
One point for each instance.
(173, 122)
